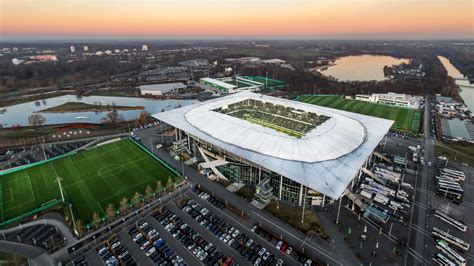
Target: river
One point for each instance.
(18, 114)
(467, 89)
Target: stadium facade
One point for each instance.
(307, 151)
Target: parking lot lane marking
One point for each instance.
(322, 251)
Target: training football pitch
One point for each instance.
(91, 179)
(270, 83)
(406, 119)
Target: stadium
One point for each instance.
(305, 151)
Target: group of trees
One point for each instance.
(126, 204)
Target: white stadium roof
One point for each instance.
(219, 83)
(325, 159)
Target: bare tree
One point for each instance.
(143, 118)
(110, 211)
(148, 192)
(124, 204)
(36, 119)
(113, 117)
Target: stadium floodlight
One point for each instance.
(58, 180)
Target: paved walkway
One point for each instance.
(36, 255)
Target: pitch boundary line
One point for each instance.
(1, 198)
(96, 156)
(97, 174)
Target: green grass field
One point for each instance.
(406, 119)
(91, 180)
(239, 84)
(271, 83)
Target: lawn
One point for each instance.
(91, 180)
(408, 120)
(461, 153)
(239, 84)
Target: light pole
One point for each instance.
(58, 180)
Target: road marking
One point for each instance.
(421, 205)
(416, 255)
(421, 230)
(326, 253)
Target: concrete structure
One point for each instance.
(396, 99)
(227, 84)
(322, 161)
(162, 89)
(86, 48)
(225, 87)
(73, 49)
(144, 47)
(263, 192)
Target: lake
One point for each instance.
(467, 89)
(18, 114)
(361, 67)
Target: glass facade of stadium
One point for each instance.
(239, 170)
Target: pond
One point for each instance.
(361, 67)
(18, 114)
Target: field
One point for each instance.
(239, 84)
(91, 180)
(408, 120)
(271, 83)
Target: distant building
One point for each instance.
(108, 52)
(73, 49)
(117, 51)
(396, 99)
(274, 61)
(15, 49)
(17, 61)
(46, 57)
(144, 47)
(99, 53)
(163, 89)
(86, 48)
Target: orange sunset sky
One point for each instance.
(233, 18)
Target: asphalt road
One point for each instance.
(421, 243)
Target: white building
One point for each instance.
(86, 48)
(73, 49)
(144, 47)
(162, 89)
(324, 158)
(396, 99)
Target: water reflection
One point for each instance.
(18, 114)
(361, 67)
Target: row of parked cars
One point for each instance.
(202, 249)
(282, 246)
(154, 247)
(113, 252)
(246, 247)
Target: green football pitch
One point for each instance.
(91, 179)
(408, 120)
(271, 83)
